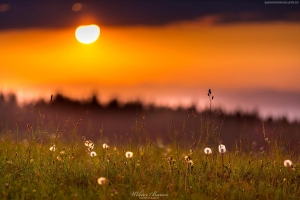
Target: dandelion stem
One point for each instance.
(222, 165)
(185, 178)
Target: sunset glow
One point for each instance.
(147, 62)
(180, 53)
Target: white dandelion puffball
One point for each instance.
(207, 150)
(101, 181)
(93, 154)
(186, 158)
(128, 154)
(91, 145)
(105, 146)
(287, 163)
(87, 143)
(222, 148)
(91, 148)
(53, 148)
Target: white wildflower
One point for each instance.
(105, 146)
(101, 181)
(288, 163)
(87, 142)
(207, 150)
(186, 158)
(128, 154)
(53, 148)
(91, 145)
(93, 154)
(222, 148)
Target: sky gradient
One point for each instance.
(169, 54)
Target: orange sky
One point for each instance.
(190, 54)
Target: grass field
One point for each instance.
(42, 166)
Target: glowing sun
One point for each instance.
(87, 34)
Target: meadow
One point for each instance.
(43, 162)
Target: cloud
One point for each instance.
(225, 18)
(57, 14)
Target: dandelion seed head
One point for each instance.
(128, 154)
(105, 146)
(52, 148)
(288, 163)
(207, 150)
(186, 158)
(222, 148)
(93, 154)
(101, 180)
(91, 145)
(87, 142)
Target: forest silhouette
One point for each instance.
(116, 122)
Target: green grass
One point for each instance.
(29, 170)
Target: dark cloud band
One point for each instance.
(57, 14)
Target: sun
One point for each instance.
(87, 34)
